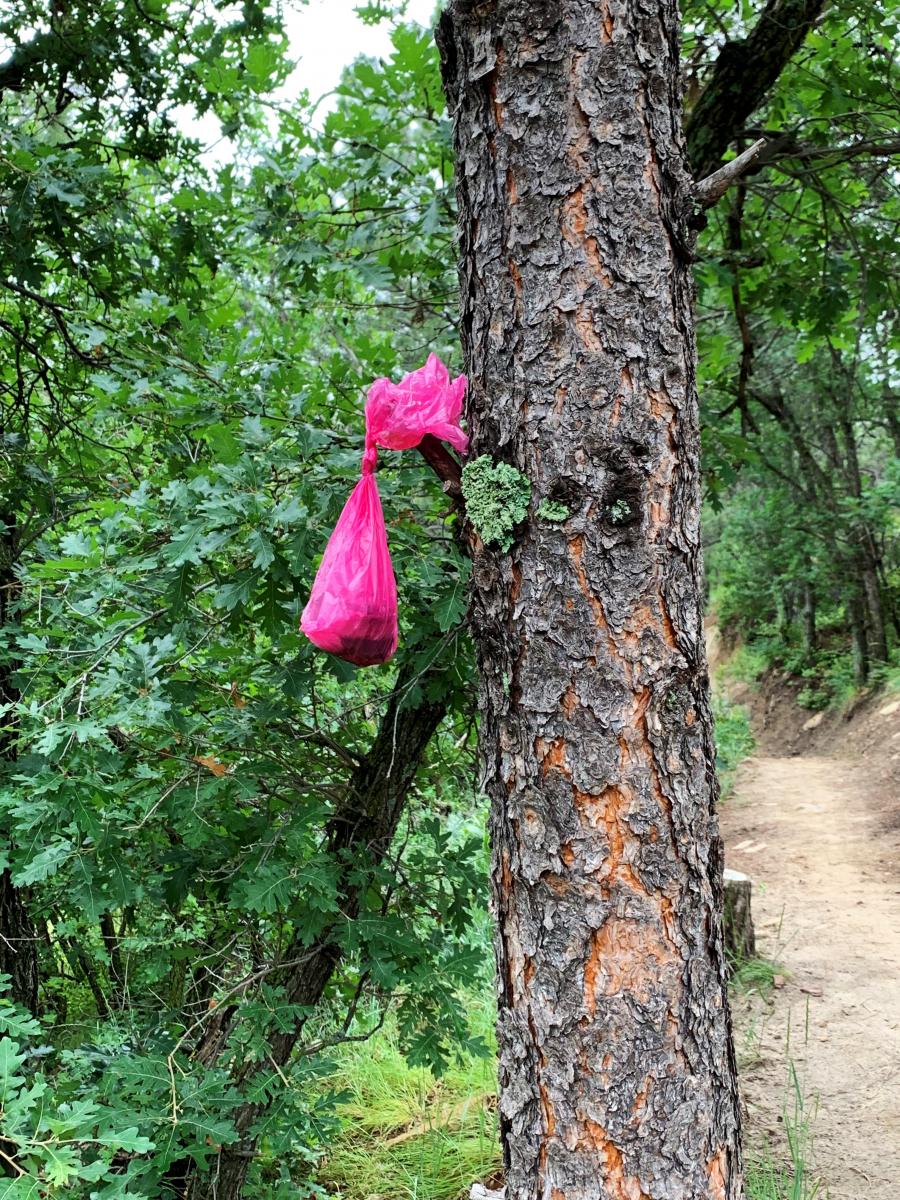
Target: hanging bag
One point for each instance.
(352, 609)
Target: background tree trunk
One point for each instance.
(616, 1069)
(810, 634)
(359, 837)
(856, 618)
(18, 936)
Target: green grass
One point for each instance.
(756, 975)
(409, 1135)
(746, 664)
(734, 740)
(768, 1176)
(887, 676)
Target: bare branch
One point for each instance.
(714, 186)
(444, 465)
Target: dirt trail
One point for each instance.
(820, 845)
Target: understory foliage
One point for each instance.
(799, 366)
(224, 854)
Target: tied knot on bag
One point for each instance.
(352, 610)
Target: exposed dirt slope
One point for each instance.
(820, 836)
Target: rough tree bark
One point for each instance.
(616, 1069)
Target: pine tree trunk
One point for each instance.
(616, 1069)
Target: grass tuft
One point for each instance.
(756, 975)
(734, 740)
(409, 1135)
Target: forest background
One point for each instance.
(225, 856)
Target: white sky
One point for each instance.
(325, 36)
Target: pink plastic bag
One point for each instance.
(398, 415)
(352, 610)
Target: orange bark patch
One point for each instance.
(557, 885)
(576, 553)
(606, 29)
(516, 277)
(717, 1170)
(574, 225)
(659, 515)
(592, 975)
(667, 626)
(512, 190)
(603, 811)
(625, 956)
(618, 1184)
(624, 750)
(645, 617)
(547, 1107)
(641, 704)
(552, 756)
(640, 1100)
(570, 701)
(505, 873)
(567, 854)
(661, 407)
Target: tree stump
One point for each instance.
(740, 938)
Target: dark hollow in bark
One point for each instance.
(616, 1070)
(740, 936)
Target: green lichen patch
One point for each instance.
(552, 510)
(497, 498)
(618, 512)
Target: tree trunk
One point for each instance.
(18, 936)
(868, 555)
(359, 837)
(856, 619)
(617, 1074)
(810, 635)
(877, 629)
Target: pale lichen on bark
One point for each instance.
(616, 1070)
